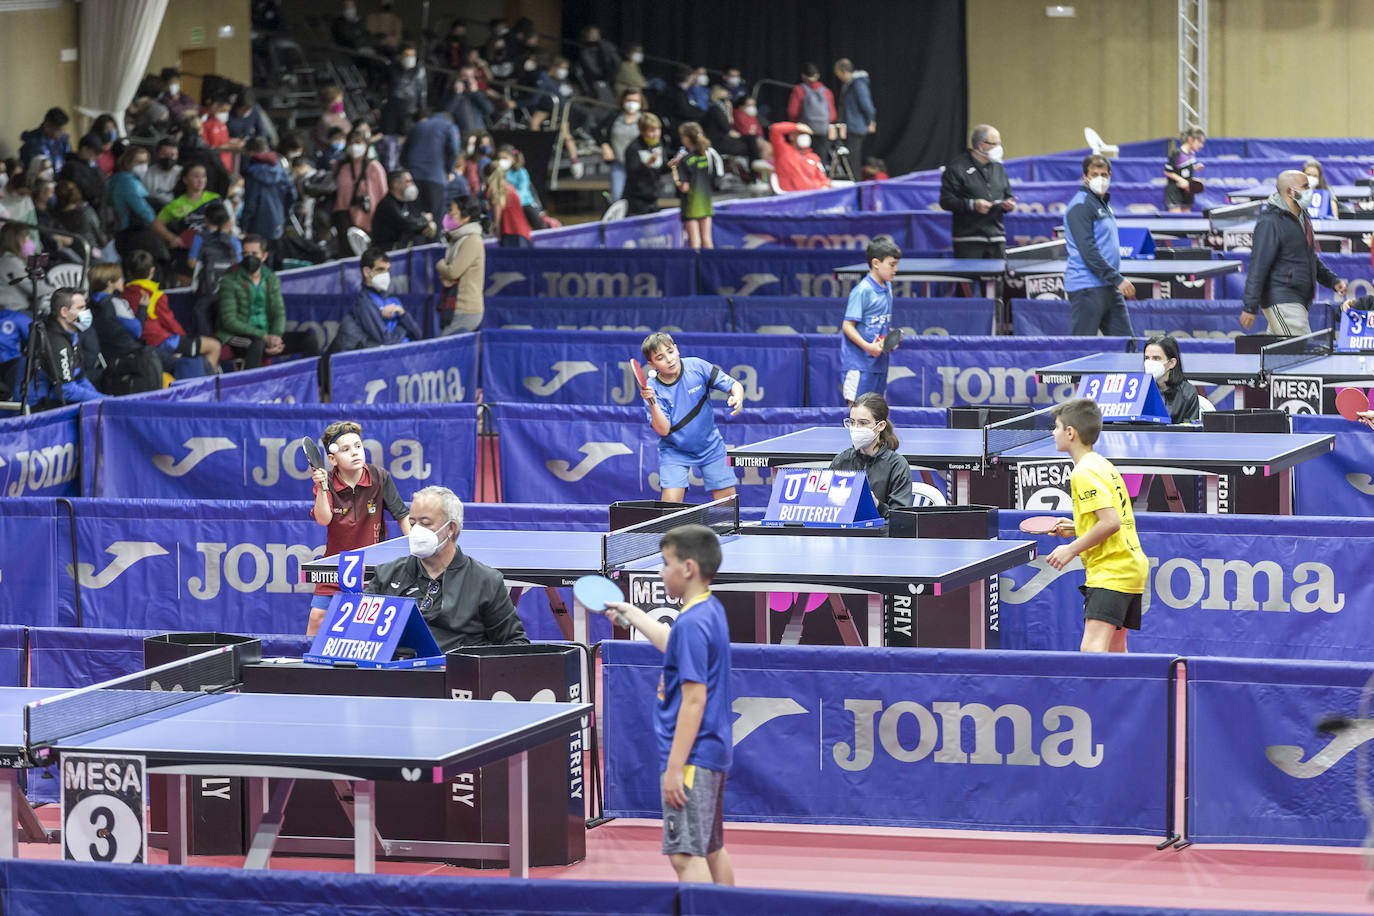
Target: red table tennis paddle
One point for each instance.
(1043, 524)
(1351, 402)
(891, 339)
(639, 374)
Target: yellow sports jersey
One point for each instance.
(1117, 563)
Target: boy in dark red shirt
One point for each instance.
(348, 503)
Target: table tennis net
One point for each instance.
(128, 697)
(1008, 434)
(639, 541)
(1278, 357)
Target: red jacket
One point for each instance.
(513, 221)
(794, 101)
(798, 170)
(158, 321)
(747, 124)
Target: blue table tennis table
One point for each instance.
(1332, 235)
(987, 272)
(1263, 191)
(351, 741)
(755, 558)
(965, 452)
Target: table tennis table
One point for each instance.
(755, 558)
(1331, 235)
(987, 272)
(1050, 273)
(965, 452)
(1264, 190)
(350, 741)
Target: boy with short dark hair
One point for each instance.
(677, 391)
(693, 718)
(863, 364)
(1104, 525)
(348, 502)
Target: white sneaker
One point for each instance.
(577, 171)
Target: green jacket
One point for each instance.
(235, 305)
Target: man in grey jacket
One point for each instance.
(1284, 266)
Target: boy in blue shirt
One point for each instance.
(692, 720)
(678, 396)
(863, 364)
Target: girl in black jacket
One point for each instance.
(875, 453)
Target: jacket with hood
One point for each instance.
(1284, 265)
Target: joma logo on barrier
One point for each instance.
(125, 553)
(247, 568)
(595, 452)
(1214, 584)
(627, 392)
(285, 456)
(564, 371)
(1288, 757)
(994, 385)
(41, 468)
(595, 285)
(433, 386)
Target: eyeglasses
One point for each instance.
(428, 599)
(850, 423)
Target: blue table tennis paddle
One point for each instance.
(593, 592)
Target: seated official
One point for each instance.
(464, 602)
(376, 319)
(1162, 360)
(875, 453)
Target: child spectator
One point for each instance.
(507, 215)
(874, 169)
(183, 355)
(518, 177)
(867, 318)
(1105, 527)
(130, 364)
(348, 502)
(678, 395)
(695, 174)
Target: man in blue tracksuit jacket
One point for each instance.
(1097, 291)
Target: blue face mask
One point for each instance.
(337, 146)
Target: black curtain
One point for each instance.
(913, 51)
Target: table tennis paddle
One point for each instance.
(639, 373)
(891, 339)
(1043, 524)
(1194, 186)
(312, 453)
(593, 592)
(1351, 402)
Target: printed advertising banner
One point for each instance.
(40, 455)
(707, 314)
(442, 371)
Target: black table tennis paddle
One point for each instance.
(891, 339)
(312, 453)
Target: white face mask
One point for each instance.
(381, 282)
(174, 88)
(350, 13)
(1305, 198)
(83, 320)
(751, 110)
(637, 57)
(703, 80)
(411, 193)
(408, 62)
(561, 73)
(503, 164)
(424, 543)
(994, 154)
(4, 179)
(529, 64)
(862, 436)
(732, 81)
(1099, 185)
(222, 116)
(1155, 368)
(803, 141)
(1312, 181)
(631, 107)
(141, 169)
(357, 150)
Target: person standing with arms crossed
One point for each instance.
(1097, 291)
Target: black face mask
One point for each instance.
(252, 263)
(166, 163)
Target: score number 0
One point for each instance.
(368, 609)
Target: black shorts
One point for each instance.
(1120, 609)
(189, 345)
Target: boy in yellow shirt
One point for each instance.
(1104, 526)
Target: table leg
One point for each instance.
(364, 817)
(9, 810)
(844, 621)
(875, 619)
(519, 813)
(1213, 494)
(761, 633)
(268, 824)
(977, 615)
(567, 623)
(961, 488)
(178, 827)
(1286, 492)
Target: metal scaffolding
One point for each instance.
(1192, 64)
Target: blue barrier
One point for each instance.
(1220, 175)
(1340, 482)
(13, 660)
(919, 233)
(1355, 269)
(590, 273)
(40, 454)
(858, 735)
(442, 371)
(1258, 771)
(1235, 585)
(232, 451)
(1214, 318)
(824, 200)
(35, 546)
(653, 230)
(1322, 148)
(710, 314)
(293, 382)
(920, 317)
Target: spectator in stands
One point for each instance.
(599, 62)
(386, 28)
(734, 83)
(83, 170)
(62, 377)
(183, 355)
(875, 169)
(1097, 291)
(629, 76)
(503, 201)
(361, 186)
(401, 221)
(48, 139)
(252, 313)
(466, 103)
(798, 166)
(215, 130)
(376, 319)
(745, 120)
(131, 365)
(16, 247)
(1323, 204)
(497, 53)
(1284, 265)
(107, 130)
(678, 104)
(77, 218)
(269, 191)
(700, 90)
(193, 149)
(213, 251)
(617, 133)
(1179, 169)
(185, 215)
(811, 103)
(454, 49)
(511, 161)
(536, 73)
(332, 152)
(463, 268)
(248, 120)
(857, 113)
(332, 102)
(408, 95)
(348, 30)
(429, 153)
(177, 103)
(645, 163)
(17, 200)
(163, 174)
(695, 175)
(138, 228)
(975, 188)
(720, 127)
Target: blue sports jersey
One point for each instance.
(698, 650)
(699, 440)
(870, 308)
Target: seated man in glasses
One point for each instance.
(464, 602)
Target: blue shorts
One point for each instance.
(856, 383)
(675, 475)
(321, 601)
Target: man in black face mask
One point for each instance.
(252, 314)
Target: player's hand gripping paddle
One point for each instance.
(1351, 402)
(891, 339)
(312, 453)
(1042, 524)
(592, 592)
